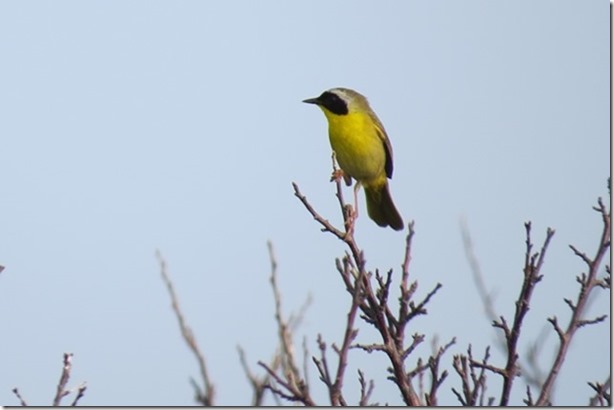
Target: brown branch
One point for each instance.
(365, 390)
(285, 335)
(594, 321)
(80, 393)
(588, 282)
(322, 364)
(258, 383)
(327, 226)
(490, 367)
(602, 396)
(21, 400)
(532, 267)
(295, 394)
(532, 372)
(478, 277)
(372, 300)
(416, 340)
(474, 385)
(485, 295)
(296, 387)
(336, 394)
(370, 348)
(405, 297)
(206, 395)
(529, 400)
(437, 379)
(61, 388)
(373, 307)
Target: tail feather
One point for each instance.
(381, 208)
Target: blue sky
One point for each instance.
(134, 126)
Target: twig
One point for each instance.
(436, 378)
(295, 394)
(478, 277)
(474, 385)
(285, 337)
(588, 282)
(601, 397)
(531, 372)
(296, 386)
(365, 389)
(80, 393)
(206, 395)
(61, 389)
(374, 307)
(21, 400)
(529, 400)
(336, 394)
(258, 384)
(532, 267)
(322, 364)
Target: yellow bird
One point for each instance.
(362, 149)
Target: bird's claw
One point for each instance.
(337, 175)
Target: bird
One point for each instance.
(362, 150)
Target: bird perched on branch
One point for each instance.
(362, 150)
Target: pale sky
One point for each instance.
(131, 126)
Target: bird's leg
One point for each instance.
(338, 172)
(351, 212)
(357, 186)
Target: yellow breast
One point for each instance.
(358, 148)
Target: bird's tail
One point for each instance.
(381, 208)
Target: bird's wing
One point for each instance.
(381, 133)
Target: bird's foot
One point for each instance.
(337, 175)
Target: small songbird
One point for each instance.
(362, 150)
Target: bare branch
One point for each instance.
(437, 379)
(336, 394)
(206, 395)
(474, 384)
(258, 384)
(327, 226)
(370, 348)
(373, 304)
(478, 276)
(21, 400)
(602, 395)
(531, 270)
(322, 364)
(582, 255)
(61, 389)
(294, 395)
(555, 324)
(365, 389)
(285, 336)
(80, 393)
(416, 340)
(529, 400)
(295, 385)
(588, 281)
(596, 320)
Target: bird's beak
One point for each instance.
(312, 101)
